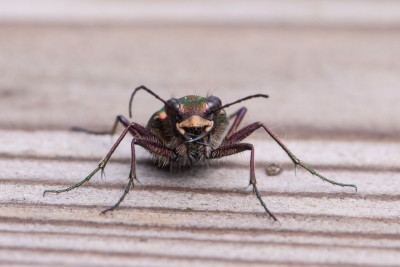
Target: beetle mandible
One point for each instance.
(186, 132)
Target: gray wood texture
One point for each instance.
(333, 86)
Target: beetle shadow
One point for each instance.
(200, 171)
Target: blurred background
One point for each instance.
(331, 68)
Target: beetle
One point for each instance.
(186, 132)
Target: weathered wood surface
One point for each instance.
(202, 216)
(334, 101)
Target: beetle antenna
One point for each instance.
(243, 99)
(142, 87)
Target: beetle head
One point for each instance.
(193, 117)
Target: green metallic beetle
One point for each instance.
(186, 132)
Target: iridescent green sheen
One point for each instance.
(160, 125)
(188, 104)
(193, 102)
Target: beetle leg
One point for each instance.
(239, 117)
(136, 129)
(119, 119)
(235, 148)
(152, 146)
(101, 166)
(246, 131)
(132, 176)
(149, 145)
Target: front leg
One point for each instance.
(101, 165)
(145, 141)
(231, 145)
(149, 145)
(248, 130)
(231, 149)
(239, 115)
(132, 176)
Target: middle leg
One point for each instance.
(231, 149)
(148, 141)
(101, 165)
(248, 130)
(151, 146)
(130, 184)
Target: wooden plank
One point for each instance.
(313, 75)
(205, 216)
(334, 101)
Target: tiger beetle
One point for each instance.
(186, 132)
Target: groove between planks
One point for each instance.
(64, 145)
(199, 232)
(209, 212)
(122, 237)
(230, 222)
(212, 164)
(122, 245)
(152, 256)
(152, 259)
(206, 191)
(209, 202)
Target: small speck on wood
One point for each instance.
(273, 169)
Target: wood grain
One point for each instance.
(201, 216)
(333, 83)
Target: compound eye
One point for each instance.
(174, 103)
(172, 108)
(213, 103)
